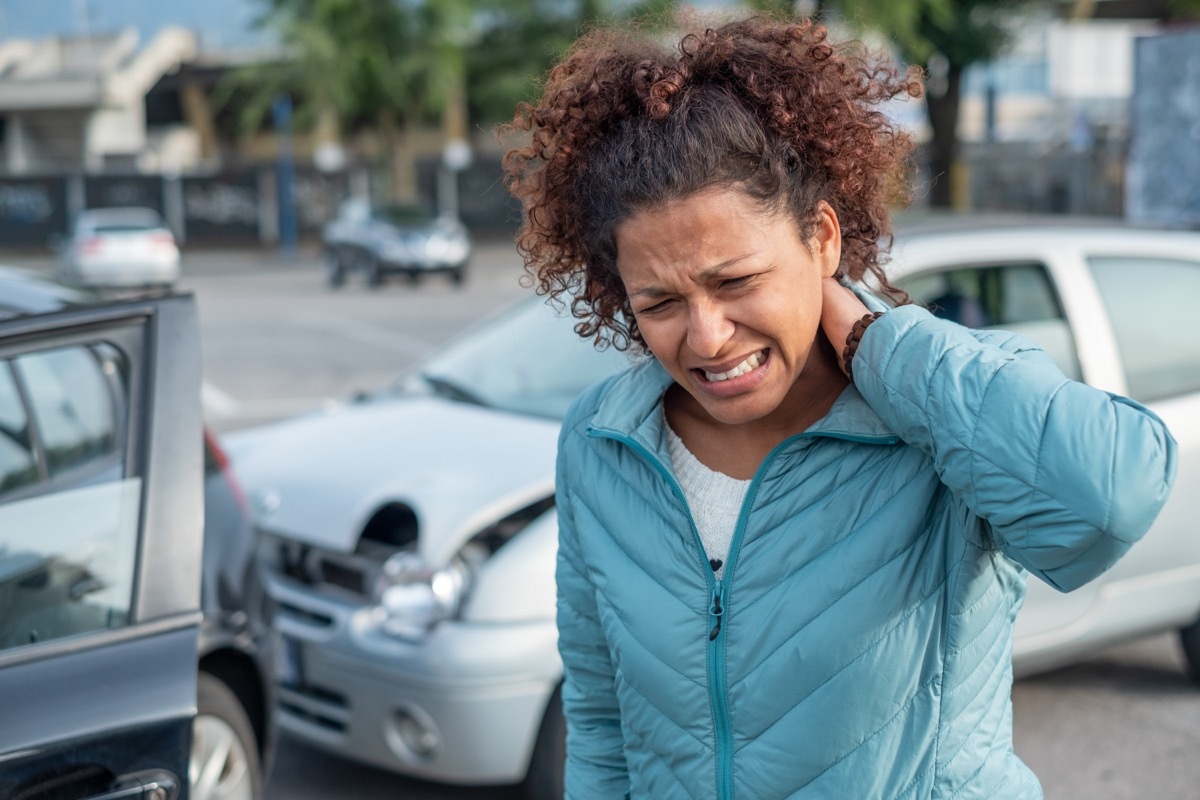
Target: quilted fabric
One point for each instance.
(863, 644)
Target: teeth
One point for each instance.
(741, 369)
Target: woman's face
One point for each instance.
(728, 297)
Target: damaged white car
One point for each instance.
(410, 536)
(417, 628)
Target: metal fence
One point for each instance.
(244, 207)
(236, 208)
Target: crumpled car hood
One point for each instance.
(319, 478)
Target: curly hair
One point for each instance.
(625, 125)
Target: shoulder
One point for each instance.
(619, 399)
(911, 330)
(581, 412)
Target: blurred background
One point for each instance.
(248, 122)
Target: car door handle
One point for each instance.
(149, 785)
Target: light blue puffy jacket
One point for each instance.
(860, 644)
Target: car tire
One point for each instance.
(374, 274)
(224, 760)
(1189, 637)
(544, 781)
(458, 274)
(335, 270)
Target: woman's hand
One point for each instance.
(840, 309)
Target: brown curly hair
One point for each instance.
(625, 125)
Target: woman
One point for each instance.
(793, 542)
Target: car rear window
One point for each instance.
(126, 227)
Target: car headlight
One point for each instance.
(446, 247)
(456, 249)
(412, 598)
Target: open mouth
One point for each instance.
(752, 362)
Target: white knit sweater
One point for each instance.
(714, 499)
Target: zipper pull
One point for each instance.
(717, 609)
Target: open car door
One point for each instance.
(100, 544)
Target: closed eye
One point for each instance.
(654, 309)
(734, 283)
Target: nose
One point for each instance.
(708, 329)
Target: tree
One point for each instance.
(945, 37)
(361, 64)
(518, 42)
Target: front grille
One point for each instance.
(346, 576)
(343, 575)
(335, 705)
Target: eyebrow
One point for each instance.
(705, 275)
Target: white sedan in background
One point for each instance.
(125, 247)
(410, 537)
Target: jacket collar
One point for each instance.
(630, 409)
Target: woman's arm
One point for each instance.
(595, 765)
(1068, 477)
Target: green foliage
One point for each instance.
(1183, 10)
(774, 7)
(369, 61)
(518, 41)
(964, 31)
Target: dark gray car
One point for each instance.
(379, 241)
(73, 413)
(100, 545)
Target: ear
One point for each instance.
(826, 242)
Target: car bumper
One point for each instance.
(420, 265)
(462, 707)
(126, 273)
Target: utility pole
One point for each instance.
(285, 171)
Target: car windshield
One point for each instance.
(527, 361)
(405, 215)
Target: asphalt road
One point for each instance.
(1125, 724)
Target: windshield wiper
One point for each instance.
(443, 387)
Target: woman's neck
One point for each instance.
(737, 450)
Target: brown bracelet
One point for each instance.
(856, 334)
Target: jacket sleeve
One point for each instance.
(1066, 476)
(595, 766)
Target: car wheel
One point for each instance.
(224, 758)
(1189, 637)
(335, 270)
(374, 274)
(544, 780)
(458, 274)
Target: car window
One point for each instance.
(125, 227)
(1149, 303)
(68, 530)
(17, 465)
(405, 215)
(1014, 297)
(73, 402)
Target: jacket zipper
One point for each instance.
(716, 691)
(718, 594)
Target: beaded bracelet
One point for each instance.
(856, 334)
